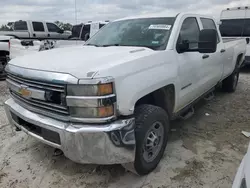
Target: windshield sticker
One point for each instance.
(155, 42)
(160, 26)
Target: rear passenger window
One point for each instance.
(209, 24)
(38, 26)
(190, 31)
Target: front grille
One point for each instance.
(39, 94)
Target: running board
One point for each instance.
(209, 97)
(188, 114)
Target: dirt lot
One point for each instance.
(203, 151)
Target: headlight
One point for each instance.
(90, 90)
(95, 101)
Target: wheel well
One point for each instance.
(239, 59)
(163, 97)
(4, 53)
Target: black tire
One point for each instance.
(231, 82)
(146, 116)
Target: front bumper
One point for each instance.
(112, 143)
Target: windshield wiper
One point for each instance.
(94, 45)
(107, 45)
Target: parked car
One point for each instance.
(4, 54)
(235, 23)
(242, 178)
(80, 33)
(111, 100)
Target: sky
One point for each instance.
(101, 10)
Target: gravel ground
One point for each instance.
(203, 151)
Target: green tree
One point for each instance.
(64, 26)
(5, 28)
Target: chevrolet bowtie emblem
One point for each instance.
(24, 92)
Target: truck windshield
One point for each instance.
(235, 28)
(146, 32)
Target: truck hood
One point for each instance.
(80, 60)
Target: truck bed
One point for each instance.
(234, 43)
(225, 40)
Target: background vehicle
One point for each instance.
(36, 30)
(4, 54)
(28, 30)
(242, 178)
(80, 33)
(235, 23)
(111, 100)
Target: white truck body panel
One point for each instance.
(167, 67)
(16, 49)
(4, 45)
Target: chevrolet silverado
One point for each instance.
(111, 100)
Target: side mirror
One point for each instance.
(207, 41)
(183, 46)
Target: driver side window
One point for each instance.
(190, 32)
(52, 27)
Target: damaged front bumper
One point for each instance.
(112, 143)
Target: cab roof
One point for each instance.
(162, 15)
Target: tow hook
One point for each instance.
(18, 129)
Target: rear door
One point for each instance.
(212, 62)
(190, 63)
(38, 30)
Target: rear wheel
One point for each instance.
(151, 134)
(231, 82)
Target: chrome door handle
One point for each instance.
(222, 51)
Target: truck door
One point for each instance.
(190, 63)
(54, 32)
(213, 62)
(38, 30)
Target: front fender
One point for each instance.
(132, 88)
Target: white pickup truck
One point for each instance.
(36, 30)
(111, 100)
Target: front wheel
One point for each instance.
(152, 126)
(231, 82)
